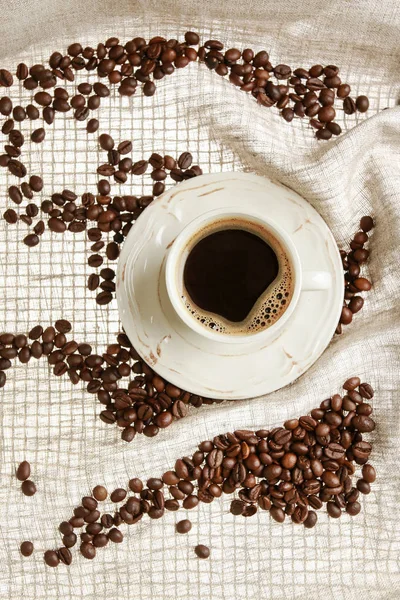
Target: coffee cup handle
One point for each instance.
(316, 280)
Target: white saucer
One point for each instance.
(194, 363)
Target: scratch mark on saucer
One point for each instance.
(170, 244)
(142, 342)
(164, 339)
(287, 353)
(302, 225)
(153, 359)
(123, 272)
(211, 192)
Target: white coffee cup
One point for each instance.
(183, 244)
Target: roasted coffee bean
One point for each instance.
(26, 548)
(352, 383)
(93, 281)
(202, 551)
(92, 125)
(10, 216)
(362, 104)
(118, 495)
(16, 168)
(51, 558)
(349, 106)
(183, 526)
(100, 493)
(366, 391)
(106, 141)
(333, 510)
(65, 555)
(38, 135)
(368, 473)
(88, 550)
(24, 471)
(28, 488)
(6, 79)
(31, 240)
(115, 535)
(69, 539)
(363, 486)
(363, 423)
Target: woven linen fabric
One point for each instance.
(55, 425)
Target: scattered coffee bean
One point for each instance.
(100, 493)
(202, 551)
(26, 548)
(23, 471)
(183, 526)
(38, 135)
(28, 488)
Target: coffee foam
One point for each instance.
(271, 305)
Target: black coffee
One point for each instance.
(227, 271)
(236, 281)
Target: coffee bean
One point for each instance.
(69, 539)
(366, 224)
(202, 551)
(51, 558)
(100, 493)
(362, 104)
(277, 514)
(106, 141)
(63, 326)
(31, 240)
(28, 488)
(356, 304)
(333, 510)
(363, 486)
(36, 183)
(326, 114)
(23, 471)
(48, 115)
(104, 298)
(115, 535)
(16, 168)
(349, 106)
(352, 383)
(92, 126)
(183, 526)
(88, 550)
(65, 555)
(38, 135)
(363, 423)
(118, 495)
(353, 508)
(311, 519)
(26, 548)
(6, 79)
(191, 38)
(323, 134)
(10, 216)
(362, 284)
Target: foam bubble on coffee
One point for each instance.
(272, 302)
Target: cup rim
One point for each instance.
(178, 247)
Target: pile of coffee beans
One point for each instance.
(291, 471)
(310, 93)
(145, 405)
(353, 282)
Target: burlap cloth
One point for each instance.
(55, 425)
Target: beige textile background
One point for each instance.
(55, 425)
